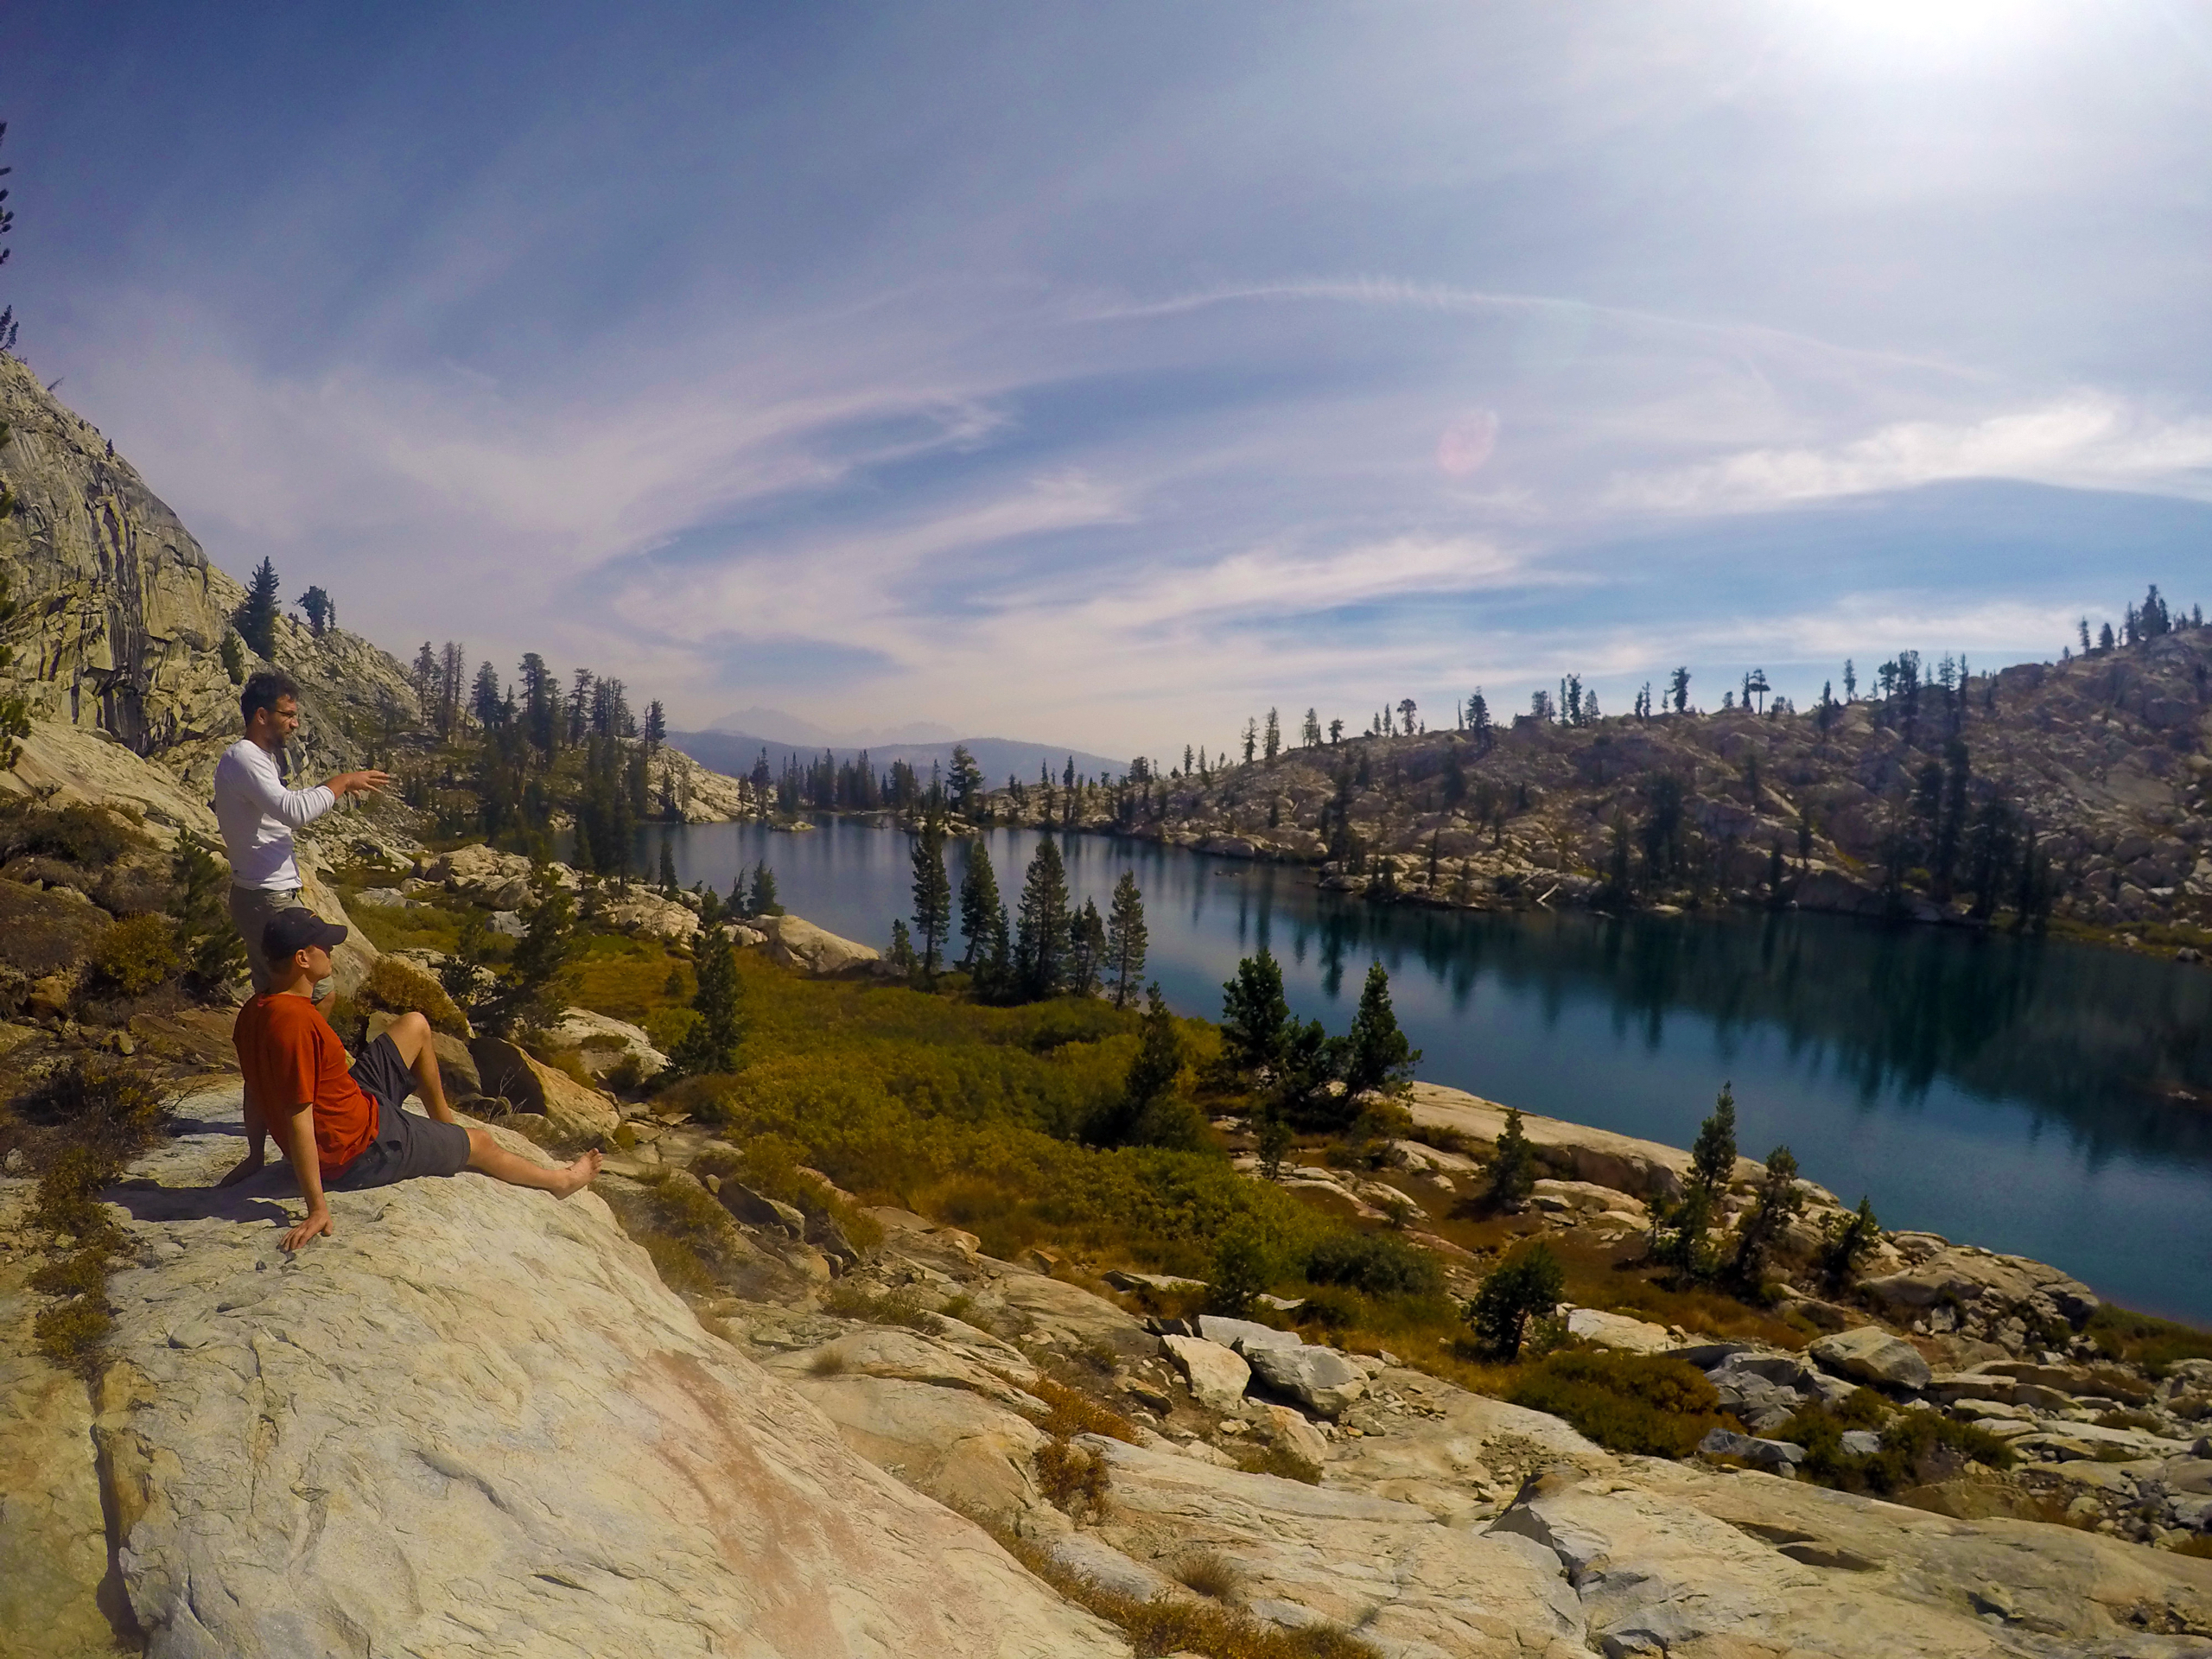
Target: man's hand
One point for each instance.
(358, 783)
(245, 1166)
(318, 1221)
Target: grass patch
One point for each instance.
(1279, 1461)
(848, 1298)
(1918, 1448)
(1639, 1403)
(2143, 1339)
(1073, 1479)
(1170, 1624)
(1070, 1411)
(1210, 1573)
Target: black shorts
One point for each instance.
(407, 1144)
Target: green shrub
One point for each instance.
(138, 954)
(90, 836)
(2142, 1340)
(1918, 1447)
(1376, 1264)
(1640, 1404)
(1526, 1285)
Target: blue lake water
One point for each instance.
(2014, 1094)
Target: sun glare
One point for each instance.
(1921, 34)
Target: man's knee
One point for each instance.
(411, 1034)
(479, 1143)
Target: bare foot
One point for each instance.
(578, 1175)
(245, 1166)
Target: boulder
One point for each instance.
(1292, 1432)
(506, 1070)
(1618, 1332)
(1320, 1379)
(1871, 1354)
(1760, 1453)
(475, 1419)
(1245, 1335)
(814, 951)
(1217, 1376)
(1622, 1163)
(644, 914)
(603, 1042)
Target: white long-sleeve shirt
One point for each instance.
(257, 814)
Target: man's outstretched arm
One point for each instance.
(257, 1141)
(299, 1143)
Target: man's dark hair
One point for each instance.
(263, 690)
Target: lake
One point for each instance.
(2016, 1094)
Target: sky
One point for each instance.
(1106, 375)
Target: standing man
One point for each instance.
(257, 814)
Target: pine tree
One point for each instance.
(933, 894)
(761, 899)
(656, 726)
(1126, 938)
(1526, 1285)
(1254, 1017)
(1040, 946)
(1310, 733)
(1377, 1056)
(256, 617)
(965, 781)
(322, 613)
(1513, 1167)
(1251, 739)
(1086, 950)
(212, 951)
(668, 882)
(982, 914)
(9, 327)
(1778, 1199)
(1135, 1119)
(711, 1043)
(1712, 1166)
(1273, 741)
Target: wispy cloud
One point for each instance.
(2088, 441)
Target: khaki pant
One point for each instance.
(252, 909)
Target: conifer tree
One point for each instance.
(1137, 1118)
(933, 894)
(711, 1044)
(668, 885)
(1678, 690)
(1086, 950)
(1513, 1167)
(1126, 938)
(1778, 1199)
(1251, 739)
(761, 899)
(982, 914)
(1376, 1054)
(656, 726)
(1526, 1285)
(256, 616)
(1040, 946)
(210, 947)
(1310, 733)
(1712, 1165)
(1254, 1017)
(322, 613)
(9, 327)
(1273, 741)
(965, 781)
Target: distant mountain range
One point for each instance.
(735, 751)
(778, 726)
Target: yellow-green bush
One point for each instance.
(138, 954)
(1918, 1447)
(1644, 1403)
(397, 987)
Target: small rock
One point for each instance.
(1296, 1435)
(1860, 1442)
(1245, 1335)
(17, 1163)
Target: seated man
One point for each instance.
(343, 1128)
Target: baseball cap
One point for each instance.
(289, 932)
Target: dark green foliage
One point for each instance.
(1302, 1090)
(1712, 1164)
(932, 891)
(1254, 1017)
(1850, 1241)
(322, 613)
(1917, 1448)
(522, 992)
(138, 954)
(2143, 1339)
(982, 914)
(1375, 1264)
(233, 656)
(711, 1044)
(1376, 1054)
(1713, 1156)
(256, 616)
(1526, 1285)
(87, 836)
(1086, 950)
(1126, 938)
(1040, 949)
(1272, 1130)
(1646, 1405)
(1145, 1114)
(1777, 1201)
(212, 950)
(1244, 1265)
(668, 883)
(1513, 1168)
(902, 946)
(760, 900)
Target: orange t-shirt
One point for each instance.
(290, 1056)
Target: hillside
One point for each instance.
(2073, 790)
(736, 754)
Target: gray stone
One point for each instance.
(1217, 1376)
(1860, 1442)
(1320, 1379)
(1872, 1354)
(1764, 1454)
(1244, 1335)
